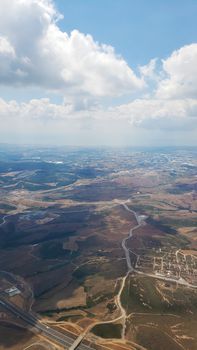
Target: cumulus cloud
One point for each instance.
(40, 54)
(159, 113)
(5, 48)
(180, 71)
(141, 113)
(148, 71)
(42, 110)
(34, 52)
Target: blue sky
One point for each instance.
(94, 72)
(138, 29)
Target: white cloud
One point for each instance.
(6, 48)
(149, 70)
(180, 71)
(7, 55)
(49, 58)
(160, 114)
(141, 113)
(34, 52)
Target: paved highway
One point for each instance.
(59, 338)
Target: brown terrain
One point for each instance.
(61, 246)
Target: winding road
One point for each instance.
(66, 341)
(124, 241)
(131, 268)
(180, 281)
(4, 219)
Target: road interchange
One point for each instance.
(57, 337)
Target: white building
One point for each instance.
(12, 291)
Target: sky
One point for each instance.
(98, 72)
